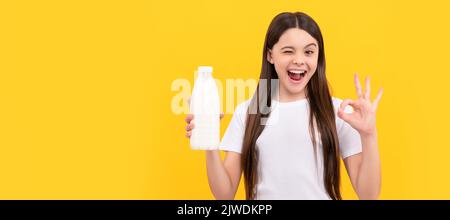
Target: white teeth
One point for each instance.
(297, 71)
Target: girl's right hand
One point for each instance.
(190, 124)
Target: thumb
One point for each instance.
(344, 116)
(341, 113)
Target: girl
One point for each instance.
(294, 151)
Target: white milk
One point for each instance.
(205, 106)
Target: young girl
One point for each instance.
(294, 151)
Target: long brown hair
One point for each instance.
(321, 114)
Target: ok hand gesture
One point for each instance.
(364, 110)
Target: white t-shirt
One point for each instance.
(287, 167)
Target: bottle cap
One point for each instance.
(205, 69)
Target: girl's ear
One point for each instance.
(269, 56)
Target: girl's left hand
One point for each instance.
(363, 116)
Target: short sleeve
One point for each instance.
(349, 138)
(234, 135)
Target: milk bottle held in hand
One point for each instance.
(205, 106)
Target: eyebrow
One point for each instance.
(291, 47)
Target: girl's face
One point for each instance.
(295, 57)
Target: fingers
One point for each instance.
(358, 86)
(189, 118)
(378, 98)
(347, 102)
(341, 112)
(367, 93)
(221, 115)
(359, 92)
(189, 127)
(347, 115)
(344, 104)
(342, 115)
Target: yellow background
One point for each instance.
(85, 97)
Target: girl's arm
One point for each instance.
(223, 176)
(364, 169)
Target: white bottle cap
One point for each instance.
(205, 69)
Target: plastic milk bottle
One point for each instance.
(205, 106)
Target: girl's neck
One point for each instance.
(285, 96)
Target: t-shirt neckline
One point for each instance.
(290, 103)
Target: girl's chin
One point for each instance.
(294, 89)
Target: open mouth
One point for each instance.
(296, 75)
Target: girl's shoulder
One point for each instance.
(240, 112)
(336, 101)
(242, 107)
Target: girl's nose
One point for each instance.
(298, 60)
